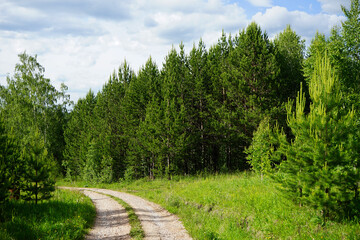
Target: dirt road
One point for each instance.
(111, 221)
(156, 222)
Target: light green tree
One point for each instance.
(322, 161)
(30, 101)
(263, 154)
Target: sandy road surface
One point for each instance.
(156, 222)
(111, 219)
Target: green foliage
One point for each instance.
(316, 48)
(38, 182)
(106, 172)
(263, 154)
(290, 56)
(92, 165)
(129, 175)
(30, 101)
(4, 181)
(342, 48)
(78, 134)
(197, 114)
(11, 166)
(322, 165)
(68, 215)
(351, 29)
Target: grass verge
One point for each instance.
(68, 215)
(238, 206)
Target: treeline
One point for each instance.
(198, 113)
(247, 102)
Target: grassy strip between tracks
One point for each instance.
(136, 231)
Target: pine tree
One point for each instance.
(148, 143)
(173, 122)
(143, 94)
(322, 165)
(112, 115)
(290, 51)
(218, 63)
(248, 91)
(197, 105)
(78, 134)
(38, 183)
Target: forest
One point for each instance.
(272, 106)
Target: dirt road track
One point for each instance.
(156, 222)
(111, 221)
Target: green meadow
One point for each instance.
(236, 206)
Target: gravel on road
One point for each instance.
(156, 222)
(111, 221)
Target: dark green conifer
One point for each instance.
(38, 183)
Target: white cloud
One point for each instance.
(261, 3)
(80, 44)
(276, 18)
(333, 6)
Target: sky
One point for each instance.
(81, 42)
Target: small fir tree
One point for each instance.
(263, 154)
(38, 183)
(92, 166)
(106, 172)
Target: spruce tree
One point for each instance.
(38, 183)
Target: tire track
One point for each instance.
(156, 222)
(111, 221)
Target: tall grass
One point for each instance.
(68, 215)
(239, 206)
